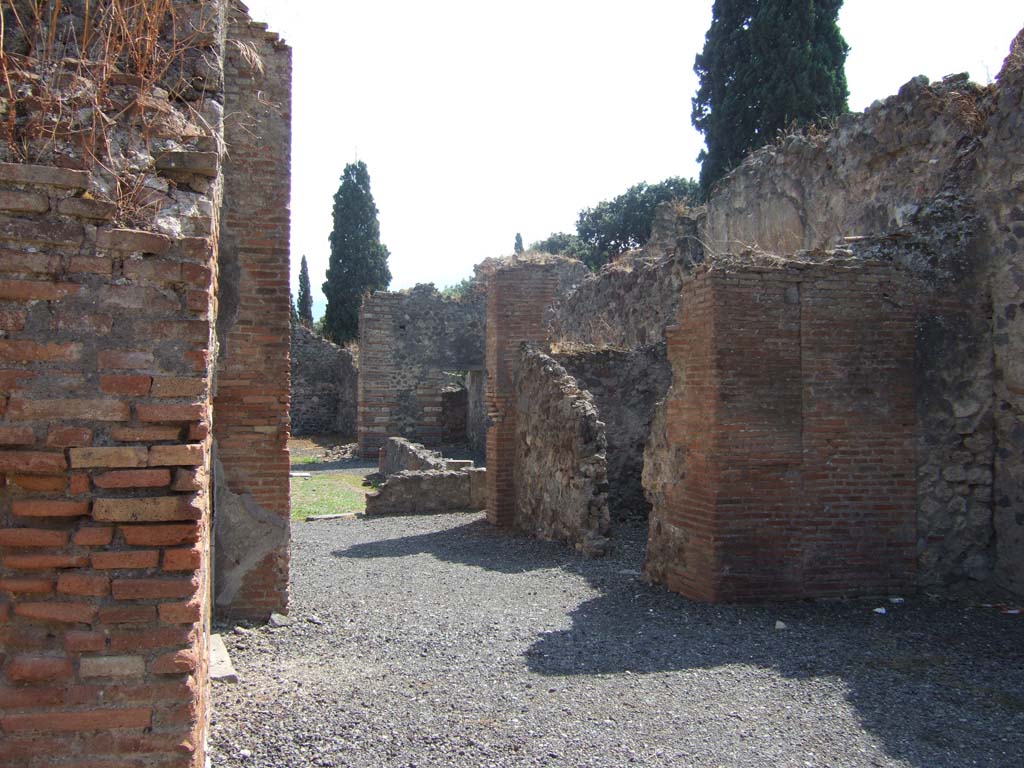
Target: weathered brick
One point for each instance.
(13, 319)
(176, 455)
(32, 537)
(150, 270)
(187, 480)
(35, 669)
(178, 386)
(27, 586)
(43, 562)
(137, 386)
(50, 508)
(150, 589)
(17, 173)
(174, 663)
(25, 351)
(40, 483)
(29, 262)
(145, 434)
(133, 240)
(111, 666)
(125, 360)
(68, 437)
(48, 232)
(167, 412)
(134, 478)
(181, 613)
(35, 290)
(83, 584)
(136, 640)
(80, 641)
(126, 614)
(23, 202)
(91, 720)
(189, 559)
(87, 208)
(159, 535)
(184, 162)
(61, 613)
(17, 435)
(153, 509)
(89, 265)
(92, 458)
(131, 559)
(94, 536)
(32, 462)
(24, 409)
(78, 484)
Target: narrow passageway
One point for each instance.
(440, 641)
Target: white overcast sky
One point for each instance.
(480, 119)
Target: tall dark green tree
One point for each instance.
(305, 308)
(766, 65)
(359, 261)
(519, 243)
(615, 226)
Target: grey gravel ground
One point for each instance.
(438, 641)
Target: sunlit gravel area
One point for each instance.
(440, 641)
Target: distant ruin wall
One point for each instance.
(793, 400)
(251, 428)
(625, 386)
(560, 472)
(325, 385)
(476, 411)
(400, 455)
(407, 341)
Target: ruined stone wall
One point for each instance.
(793, 401)
(625, 386)
(407, 341)
(398, 455)
(325, 385)
(560, 472)
(105, 392)
(476, 411)
(251, 502)
(630, 302)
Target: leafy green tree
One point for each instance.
(767, 65)
(615, 226)
(359, 261)
(291, 306)
(519, 243)
(305, 308)
(561, 244)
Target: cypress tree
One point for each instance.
(766, 65)
(519, 243)
(305, 308)
(359, 261)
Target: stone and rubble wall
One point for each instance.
(625, 386)
(560, 472)
(793, 404)
(476, 411)
(407, 342)
(251, 428)
(430, 491)
(400, 455)
(108, 279)
(325, 385)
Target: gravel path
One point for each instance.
(438, 641)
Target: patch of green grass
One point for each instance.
(328, 494)
(299, 460)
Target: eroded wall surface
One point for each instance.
(561, 471)
(251, 428)
(325, 385)
(407, 342)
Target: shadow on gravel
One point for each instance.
(938, 683)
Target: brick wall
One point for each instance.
(517, 297)
(407, 341)
(104, 455)
(251, 425)
(793, 402)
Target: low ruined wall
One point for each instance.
(560, 471)
(398, 455)
(430, 492)
(325, 385)
(625, 386)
